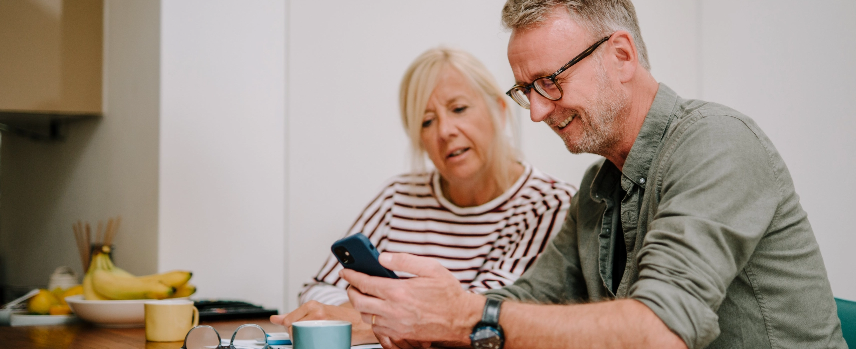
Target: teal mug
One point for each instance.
(321, 334)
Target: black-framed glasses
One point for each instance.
(546, 85)
(203, 337)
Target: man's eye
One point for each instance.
(547, 84)
(459, 110)
(427, 123)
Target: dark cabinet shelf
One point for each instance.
(40, 125)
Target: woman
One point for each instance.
(483, 214)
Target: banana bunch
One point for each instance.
(105, 281)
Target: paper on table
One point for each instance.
(249, 344)
(253, 344)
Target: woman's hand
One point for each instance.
(361, 332)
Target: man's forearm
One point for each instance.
(615, 324)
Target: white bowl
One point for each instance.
(118, 313)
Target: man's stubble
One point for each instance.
(602, 126)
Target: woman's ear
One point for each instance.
(503, 109)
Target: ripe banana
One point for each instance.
(104, 280)
(174, 278)
(119, 286)
(89, 292)
(184, 290)
(107, 264)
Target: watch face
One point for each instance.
(486, 338)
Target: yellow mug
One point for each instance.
(169, 320)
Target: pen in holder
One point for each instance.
(103, 242)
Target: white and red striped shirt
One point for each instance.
(485, 247)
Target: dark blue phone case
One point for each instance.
(364, 256)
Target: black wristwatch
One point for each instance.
(487, 334)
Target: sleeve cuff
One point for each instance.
(500, 293)
(686, 316)
(324, 294)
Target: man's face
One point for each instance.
(587, 117)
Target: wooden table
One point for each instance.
(82, 335)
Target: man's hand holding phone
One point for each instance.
(357, 253)
(429, 307)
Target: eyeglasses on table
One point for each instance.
(200, 337)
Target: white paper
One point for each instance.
(254, 344)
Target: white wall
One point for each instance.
(222, 147)
(130, 131)
(791, 65)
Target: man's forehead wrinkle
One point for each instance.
(522, 68)
(556, 33)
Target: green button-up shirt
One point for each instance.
(717, 243)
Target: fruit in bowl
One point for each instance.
(113, 297)
(106, 281)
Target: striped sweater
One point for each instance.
(485, 247)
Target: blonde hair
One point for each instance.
(419, 82)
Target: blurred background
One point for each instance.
(239, 139)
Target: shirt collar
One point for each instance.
(647, 144)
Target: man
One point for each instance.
(688, 234)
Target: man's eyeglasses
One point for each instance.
(206, 337)
(546, 85)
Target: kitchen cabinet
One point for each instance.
(50, 64)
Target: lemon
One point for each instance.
(41, 303)
(60, 309)
(72, 291)
(57, 292)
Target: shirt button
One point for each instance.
(642, 180)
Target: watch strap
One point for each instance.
(490, 315)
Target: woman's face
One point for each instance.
(457, 131)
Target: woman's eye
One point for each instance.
(427, 123)
(459, 110)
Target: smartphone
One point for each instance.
(356, 252)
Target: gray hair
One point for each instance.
(599, 17)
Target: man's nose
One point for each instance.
(539, 107)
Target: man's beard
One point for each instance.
(601, 126)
